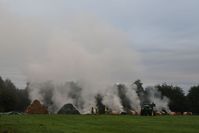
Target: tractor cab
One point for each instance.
(147, 109)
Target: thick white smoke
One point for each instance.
(76, 47)
(87, 51)
(161, 102)
(134, 99)
(84, 50)
(111, 99)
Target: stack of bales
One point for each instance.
(36, 108)
(68, 109)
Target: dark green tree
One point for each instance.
(22, 100)
(8, 96)
(140, 91)
(193, 99)
(12, 98)
(176, 96)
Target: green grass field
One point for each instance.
(97, 124)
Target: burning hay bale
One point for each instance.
(36, 108)
(68, 109)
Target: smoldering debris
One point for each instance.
(117, 99)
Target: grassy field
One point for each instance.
(97, 124)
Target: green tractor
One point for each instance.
(147, 109)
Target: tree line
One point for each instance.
(14, 99)
(178, 100)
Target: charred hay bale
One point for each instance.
(68, 109)
(36, 108)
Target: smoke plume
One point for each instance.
(154, 96)
(71, 59)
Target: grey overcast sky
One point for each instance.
(163, 36)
